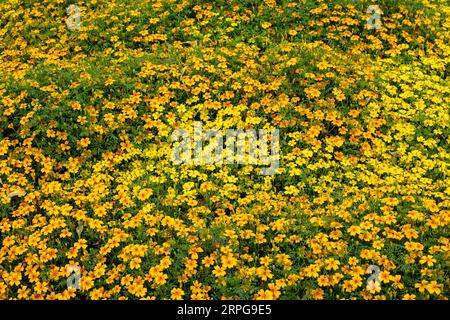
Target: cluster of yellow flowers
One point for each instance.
(87, 179)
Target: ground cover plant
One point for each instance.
(89, 98)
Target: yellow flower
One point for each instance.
(264, 273)
(84, 142)
(421, 286)
(219, 271)
(264, 295)
(208, 261)
(228, 261)
(135, 263)
(144, 194)
(317, 294)
(176, 294)
(434, 287)
(23, 293)
(14, 278)
(160, 278)
(312, 92)
(373, 286)
(40, 287)
(429, 260)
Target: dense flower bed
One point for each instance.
(86, 175)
